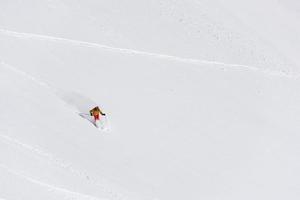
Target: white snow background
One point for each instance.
(202, 99)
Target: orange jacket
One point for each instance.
(96, 111)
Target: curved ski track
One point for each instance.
(67, 193)
(23, 35)
(60, 163)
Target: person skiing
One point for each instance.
(96, 112)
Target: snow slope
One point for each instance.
(202, 98)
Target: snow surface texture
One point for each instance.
(202, 99)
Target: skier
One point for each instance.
(95, 112)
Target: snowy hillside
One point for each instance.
(202, 99)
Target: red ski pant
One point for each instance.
(97, 117)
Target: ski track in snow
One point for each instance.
(68, 194)
(37, 81)
(280, 73)
(62, 164)
(28, 76)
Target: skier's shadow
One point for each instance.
(77, 101)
